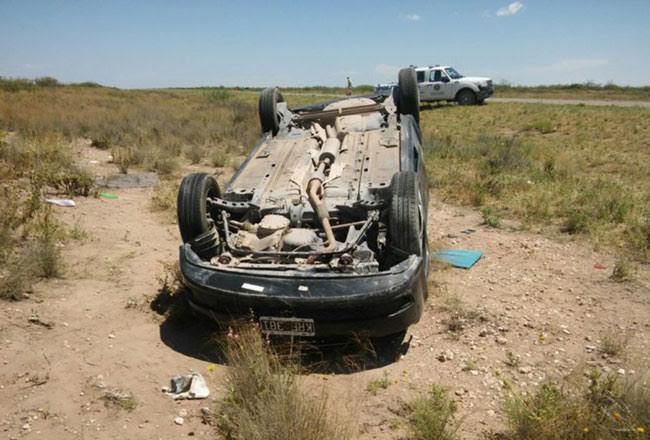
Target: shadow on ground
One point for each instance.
(196, 336)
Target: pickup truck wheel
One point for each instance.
(406, 222)
(268, 110)
(194, 219)
(466, 97)
(408, 98)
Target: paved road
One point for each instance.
(598, 102)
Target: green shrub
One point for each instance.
(432, 416)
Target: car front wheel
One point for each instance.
(466, 97)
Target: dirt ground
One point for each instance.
(546, 300)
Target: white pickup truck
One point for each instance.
(444, 83)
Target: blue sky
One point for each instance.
(260, 43)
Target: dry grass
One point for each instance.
(576, 91)
(459, 316)
(266, 400)
(432, 416)
(576, 170)
(149, 123)
(38, 256)
(603, 408)
(119, 399)
(382, 383)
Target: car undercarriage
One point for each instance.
(330, 190)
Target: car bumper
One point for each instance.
(377, 304)
(485, 93)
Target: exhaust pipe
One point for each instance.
(315, 192)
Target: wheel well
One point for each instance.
(462, 90)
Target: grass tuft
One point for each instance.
(432, 416)
(378, 384)
(605, 408)
(265, 400)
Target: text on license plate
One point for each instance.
(287, 326)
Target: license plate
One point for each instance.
(287, 326)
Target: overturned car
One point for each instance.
(322, 230)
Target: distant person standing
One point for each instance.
(348, 92)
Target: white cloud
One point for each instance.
(569, 65)
(387, 70)
(410, 17)
(511, 9)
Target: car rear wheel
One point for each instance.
(406, 217)
(195, 220)
(268, 110)
(408, 98)
(466, 97)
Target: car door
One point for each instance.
(423, 84)
(436, 84)
(452, 86)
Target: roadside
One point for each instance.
(595, 102)
(547, 302)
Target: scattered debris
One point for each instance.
(68, 203)
(468, 231)
(137, 180)
(600, 266)
(446, 355)
(35, 380)
(179, 420)
(34, 319)
(463, 259)
(191, 386)
(119, 399)
(108, 196)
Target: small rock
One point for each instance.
(179, 420)
(111, 336)
(621, 371)
(590, 348)
(525, 370)
(27, 427)
(483, 332)
(182, 412)
(446, 355)
(501, 340)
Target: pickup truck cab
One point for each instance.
(444, 83)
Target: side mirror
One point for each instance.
(445, 79)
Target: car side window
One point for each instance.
(436, 76)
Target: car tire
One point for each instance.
(194, 219)
(406, 222)
(408, 97)
(268, 110)
(466, 97)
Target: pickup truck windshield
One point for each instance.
(453, 74)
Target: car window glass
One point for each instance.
(436, 75)
(453, 73)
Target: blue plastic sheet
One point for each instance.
(463, 259)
